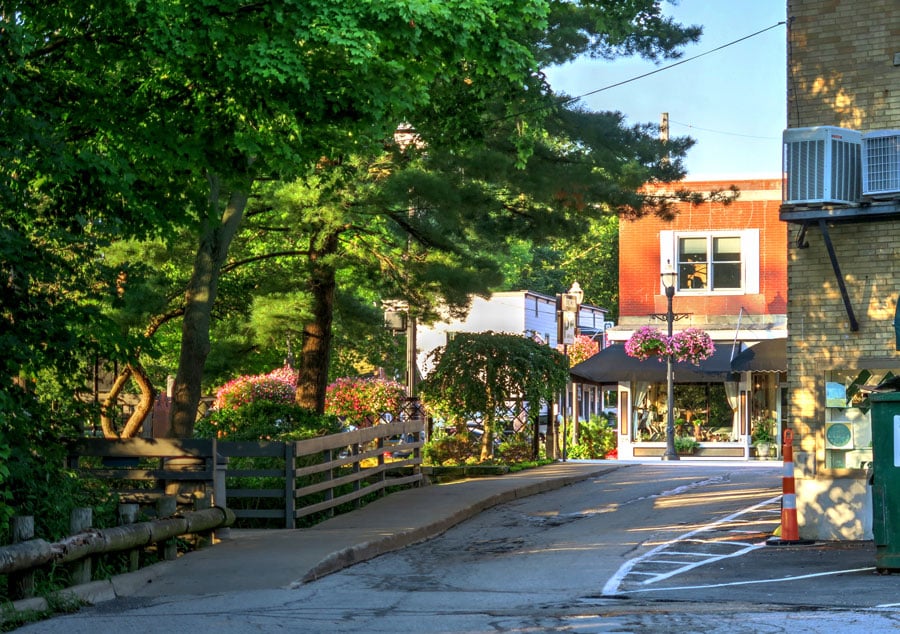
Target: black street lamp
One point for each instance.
(669, 277)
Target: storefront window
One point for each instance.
(703, 411)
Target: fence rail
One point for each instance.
(307, 476)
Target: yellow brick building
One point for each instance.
(843, 260)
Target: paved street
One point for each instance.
(637, 548)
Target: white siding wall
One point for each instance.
(521, 312)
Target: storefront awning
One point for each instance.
(766, 356)
(612, 365)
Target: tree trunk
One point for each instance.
(215, 239)
(316, 345)
(136, 420)
(106, 422)
(148, 396)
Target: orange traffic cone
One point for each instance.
(789, 530)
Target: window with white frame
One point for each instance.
(713, 262)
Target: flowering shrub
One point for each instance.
(583, 349)
(356, 398)
(646, 342)
(690, 345)
(279, 386)
(265, 420)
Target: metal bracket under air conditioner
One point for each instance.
(823, 227)
(866, 211)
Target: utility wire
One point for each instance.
(674, 64)
(746, 136)
(652, 72)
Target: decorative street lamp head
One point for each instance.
(668, 276)
(577, 292)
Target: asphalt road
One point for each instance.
(647, 548)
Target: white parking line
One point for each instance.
(757, 581)
(615, 582)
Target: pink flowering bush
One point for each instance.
(355, 398)
(278, 386)
(690, 345)
(583, 348)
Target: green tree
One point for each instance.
(480, 374)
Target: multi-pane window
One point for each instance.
(709, 263)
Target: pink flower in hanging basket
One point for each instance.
(646, 342)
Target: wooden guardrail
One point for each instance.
(20, 560)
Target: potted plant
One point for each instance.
(685, 445)
(762, 437)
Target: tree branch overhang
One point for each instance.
(835, 215)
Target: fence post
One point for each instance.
(80, 520)
(220, 489)
(290, 466)
(128, 514)
(166, 506)
(21, 584)
(328, 456)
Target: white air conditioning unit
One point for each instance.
(822, 166)
(881, 163)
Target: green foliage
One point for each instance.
(457, 449)
(6, 511)
(37, 482)
(265, 420)
(476, 375)
(515, 449)
(763, 432)
(686, 444)
(595, 439)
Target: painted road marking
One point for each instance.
(614, 584)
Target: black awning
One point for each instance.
(766, 356)
(612, 365)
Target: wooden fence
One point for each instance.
(268, 480)
(157, 476)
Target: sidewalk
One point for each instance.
(267, 559)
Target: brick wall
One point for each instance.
(756, 207)
(840, 72)
(841, 63)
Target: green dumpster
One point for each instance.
(885, 479)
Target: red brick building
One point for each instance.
(731, 265)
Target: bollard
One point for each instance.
(790, 530)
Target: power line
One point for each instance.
(674, 64)
(746, 136)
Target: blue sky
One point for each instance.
(731, 101)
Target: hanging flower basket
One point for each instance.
(646, 342)
(691, 345)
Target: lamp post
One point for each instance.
(668, 277)
(571, 306)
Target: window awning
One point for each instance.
(766, 356)
(612, 365)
